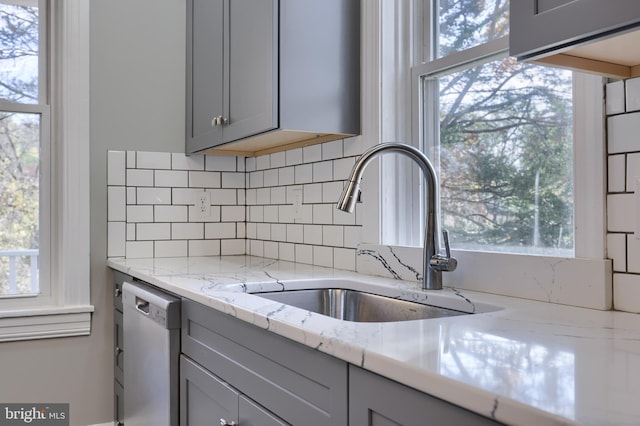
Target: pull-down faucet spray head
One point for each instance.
(434, 261)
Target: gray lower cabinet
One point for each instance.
(540, 27)
(299, 385)
(118, 348)
(207, 400)
(378, 401)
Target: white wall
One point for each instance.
(137, 103)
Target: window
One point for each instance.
(22, 134)
(44, 224)
(454, 80)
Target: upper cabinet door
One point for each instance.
(538, 27)
(205, 73)
(252, 79)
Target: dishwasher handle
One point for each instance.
(156, 305)
(142, 305)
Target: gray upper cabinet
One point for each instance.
(591, 35)
(269, 75)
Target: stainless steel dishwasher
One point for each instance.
(151, 331)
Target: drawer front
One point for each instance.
(252, 414)
(299, 384)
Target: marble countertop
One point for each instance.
(526, 363)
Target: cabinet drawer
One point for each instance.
(299, 384)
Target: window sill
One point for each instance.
(579, 282)
(45, 322)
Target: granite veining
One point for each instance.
(514, 360)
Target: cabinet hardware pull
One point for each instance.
(223, 422)
(118, 351)
(118, 292)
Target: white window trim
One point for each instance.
(67, 312)
(585, 280)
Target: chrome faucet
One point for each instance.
(434, 261)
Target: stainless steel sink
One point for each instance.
(357, 306)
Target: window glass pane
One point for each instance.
(19, 203)
(468, 23)
(19, 41)
(506, 167)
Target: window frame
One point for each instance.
(63, 309)
(477, 268)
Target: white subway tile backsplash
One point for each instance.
(153, 196)
(251, 208)
(233, 180)
(187, 231)
(139, 214)
(223, 197)
(331, 150)
(220, 163)
(295, 233)
(116, 168)
(343, 218)
(323, 214)
(171, 178)
(264, 231)
(353, 147)
(204, 179)
(616, 171)
(279, 232)
(278, 195)
(233, 213)
(633, 254)
(204, 248)
(311, 154)
(217, 231)
(137, 177)
(170, 248)
(270, 249)
(632, 94)
(303, 173)
(615, 103)
(333, 235)
(256, 179)
(116, 236)
(271, 177)
(153, 231)
(278, 159)
(312, 234)
(323, 256)
(323, 171)
(139, 249)
(331, 191)
(263, 162)
(263, 196)
(620, 212)
(287, 252)
(132, 195)
(304, 254)
(270, 214)
(153, 160)
(180, 161)
(116, 208)
(293, 156)
(171, 213)
(232, 247)
(633, 171)
(626, 292)
(312, 193)
(624, 131)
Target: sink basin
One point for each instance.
(357, 306)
